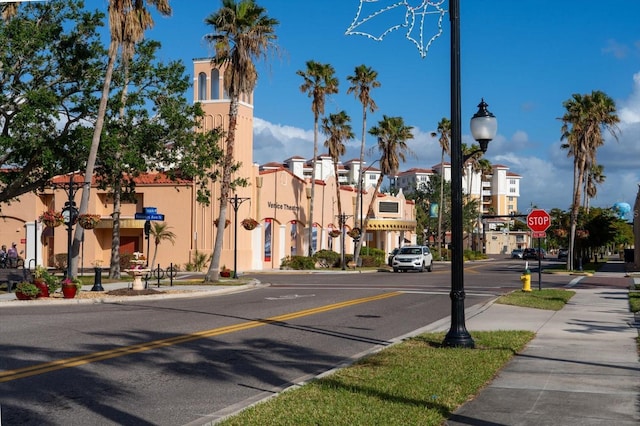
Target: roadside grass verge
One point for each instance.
(416, 382)
(550, 299)
(634, 300)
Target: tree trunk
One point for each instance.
(313, 182)
(213, 274)
(93, 153)
(114, 263)
(358, 215)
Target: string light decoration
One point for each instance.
(371, 12)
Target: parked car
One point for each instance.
(532, 253)
(413, 258)
(391, 255)
(517, 254)
(563, 254)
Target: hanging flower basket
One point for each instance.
(560, 232)
(354, 233)
(51, 218)
(582, 233)
(249, 224)
(335, 233)
(226, 222)
(88, 221)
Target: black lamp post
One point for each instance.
(483, 127)
(70, 213)
(235, 203)
(342, 220)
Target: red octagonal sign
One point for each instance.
(538, 220)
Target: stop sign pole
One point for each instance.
(538, 222)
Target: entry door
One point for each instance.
(129, 245)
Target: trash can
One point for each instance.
(628, 255)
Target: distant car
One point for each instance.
(517, 254)
(563, 254)
(413, 258)
(532, 253)
(391, 255)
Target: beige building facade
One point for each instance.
(277, 197)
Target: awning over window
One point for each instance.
(391, 225)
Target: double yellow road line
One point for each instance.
(9, 375)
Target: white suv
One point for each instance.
(417, 258)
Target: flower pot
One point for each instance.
(226, 273)
(51, 223)
(42, 286)
(69, 291)
(21, 296)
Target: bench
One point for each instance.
(10, 277)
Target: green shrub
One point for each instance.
(198, 262)
(298, 263)
(327, 258)
(372, 256)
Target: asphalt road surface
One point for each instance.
(180, 361)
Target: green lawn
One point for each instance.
(417, 382)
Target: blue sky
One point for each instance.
(523, 57)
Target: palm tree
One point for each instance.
(243, 33)
(392, 136)
(444, 128)
(582, 124)
(362, 81)
(338, 130)
(128, 20)
(160, 232)
(319, 81)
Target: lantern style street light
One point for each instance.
(70, 212)
(235, 204)
(483, 128)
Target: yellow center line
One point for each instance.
(9, 375)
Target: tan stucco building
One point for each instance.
(277, 197)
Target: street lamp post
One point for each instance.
(363, 173)
(342, 220)
(483, 127)
(235, 203)
(70, 213)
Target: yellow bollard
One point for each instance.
(526, 280)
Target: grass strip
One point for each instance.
(550, 298)
(634, 301)
(417, 382)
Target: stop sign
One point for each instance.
(538, 220)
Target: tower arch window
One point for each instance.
(215, 84)
(202, 86)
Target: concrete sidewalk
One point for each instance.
(582, 367)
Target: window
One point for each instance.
(202, 86)
(388, 207)
(215, 84)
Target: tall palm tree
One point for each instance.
(128, 20)
(362, 81)
(444, 129)
(585, 118)
(392, 136)
(160, 232)
(318, 81)
(243, 33)
(338, 130)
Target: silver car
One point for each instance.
(413, 258)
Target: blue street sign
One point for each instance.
(150, 210)
(142, 216)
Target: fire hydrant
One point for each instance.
(526, 280)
